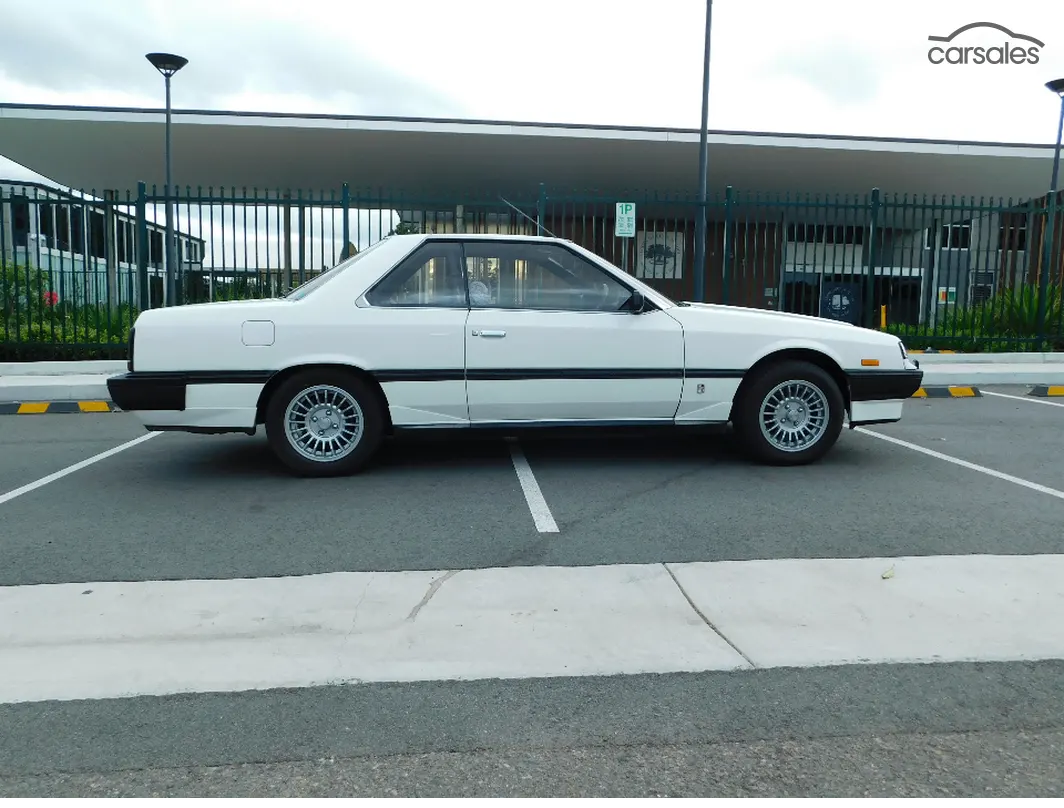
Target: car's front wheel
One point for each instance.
(790, 413)
(324, 422)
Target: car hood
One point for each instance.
(779, 317)
(766, 313)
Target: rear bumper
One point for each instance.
(145, 392)
(213, 402)
(883, 385)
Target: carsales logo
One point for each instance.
(1010, 49)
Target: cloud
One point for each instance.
(843, 72)
(88, 48)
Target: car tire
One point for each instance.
(790, 413)
(354, 425)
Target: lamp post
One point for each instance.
(168, 64)
(703, 160)
(1056, 86)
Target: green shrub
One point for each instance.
(1006, 322)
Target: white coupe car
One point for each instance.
(466, 331)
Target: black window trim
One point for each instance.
(461, 240)
(365, 297)
(649, 304)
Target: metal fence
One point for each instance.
(947, 273)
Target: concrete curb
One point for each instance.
(66, 387)
(89, 367)
(1012, 358)
(56, 407)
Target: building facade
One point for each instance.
(87, 246)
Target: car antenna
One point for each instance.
(537, 224)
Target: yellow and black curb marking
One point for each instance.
(52, 407)
(1047, 390)
(948, 391)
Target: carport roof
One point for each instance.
(111, 147)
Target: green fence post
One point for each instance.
(1048, 256)
(873, 224)
(728, 251)
(345, 202)
(541, 208)
(144, 293)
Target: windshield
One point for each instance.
(304, 289)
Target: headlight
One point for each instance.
(904, 353)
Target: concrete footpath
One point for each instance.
(158, 638)
(40, 382)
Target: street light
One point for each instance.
(168, 64)
(1056, 86)
(703, 159)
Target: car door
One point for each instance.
(412, 323)
(547, 339)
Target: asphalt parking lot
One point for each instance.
(219, 507)
(182, 506)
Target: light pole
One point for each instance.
(168, 64)
(703, 160)
(1057, 86)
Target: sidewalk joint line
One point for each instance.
(705, 618)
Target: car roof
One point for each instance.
(481, 237)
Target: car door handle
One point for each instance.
(479, 333)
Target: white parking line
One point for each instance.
(51, 478)
(1053, 492)
(541, 514)
(1023, 398)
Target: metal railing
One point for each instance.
(947, 273)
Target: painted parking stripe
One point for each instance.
(122, 639)
(51, 478)
(1043, 489)
(1027, 399)
(537, 503)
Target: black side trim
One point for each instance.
(225, 376)
(536, 374)
(532, 374)
(880, 385)
(714, 373)
(202, 376)
(419, 375)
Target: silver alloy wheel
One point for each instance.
(794, 415)
(323, 423)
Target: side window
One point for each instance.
(538, 276)
(431, 276)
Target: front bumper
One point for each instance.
(884, 385)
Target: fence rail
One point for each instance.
(948, 273)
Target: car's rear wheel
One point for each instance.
(324, 423)
(790, 413)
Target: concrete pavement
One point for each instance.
(941, 546)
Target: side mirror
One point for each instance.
(637, 302)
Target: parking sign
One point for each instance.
(624, 224)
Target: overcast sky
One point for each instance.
(818, 66)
